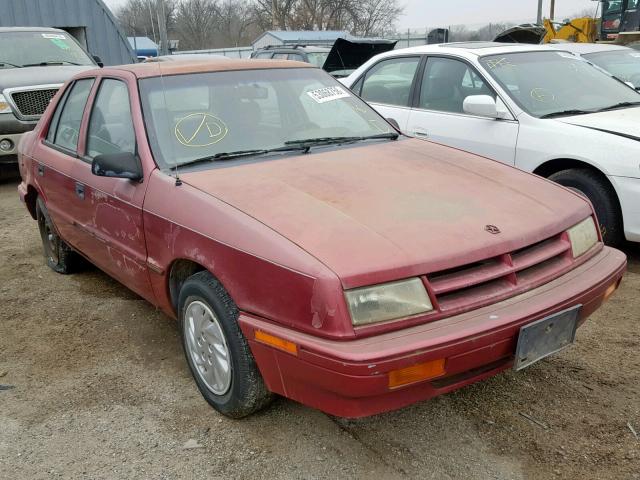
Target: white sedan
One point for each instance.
(545, 111)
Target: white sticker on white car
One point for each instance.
(328, 94)
(54, 35)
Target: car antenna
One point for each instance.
(164, 96)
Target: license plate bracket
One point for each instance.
(545, 337)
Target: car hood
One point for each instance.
(624, 122)
(31, 76)
(390, 210)
(348, 55)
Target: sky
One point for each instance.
(441, 13)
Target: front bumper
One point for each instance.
(628, 190)
(12, 129)
(350, 378)
(13, 151)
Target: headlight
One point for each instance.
(387, 301)
(4, 105)
(583, 236)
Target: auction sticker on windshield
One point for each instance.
(328, 94)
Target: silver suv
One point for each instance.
(34, 63)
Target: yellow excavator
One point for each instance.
(580, 30)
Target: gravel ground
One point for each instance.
(93, 384)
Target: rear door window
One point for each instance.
(65, 126)
(389, 82)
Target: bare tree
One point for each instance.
(197, 21)
(140, 17)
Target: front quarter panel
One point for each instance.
(543, 140)
(264, 273)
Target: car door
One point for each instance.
(112, 207)
(57, 159)
(388, 85)
(438, 113)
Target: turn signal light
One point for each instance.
(416, 373)
(276, 342)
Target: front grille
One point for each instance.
(474, 285)
(32, 103)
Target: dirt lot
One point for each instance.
(93, 384)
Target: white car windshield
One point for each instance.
(546, 84)
(221, 115)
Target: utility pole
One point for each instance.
(162, 27)
(539, 18)
(552, 10)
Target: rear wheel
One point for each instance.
(603, 197)
(217, 352)
(60, 257)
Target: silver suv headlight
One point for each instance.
(583, 236)
(387, 301)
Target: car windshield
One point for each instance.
(317, 58)
(624, 64)
(550, 83)
(197, 116)
(611, 6)
(19, 49)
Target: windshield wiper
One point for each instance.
(618, 105)
(49, 62)
(241, 153)
(3, 63)
(563, 113)
(312, 142)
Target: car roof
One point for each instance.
(469, 49)
(29, 29)
(585, 48)
(305, 48)
(157, 69)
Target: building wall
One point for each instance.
(90, 19)
(265, 41)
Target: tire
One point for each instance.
(59, 256)
(211, 338)
(603, 197)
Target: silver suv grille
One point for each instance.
(29, 103)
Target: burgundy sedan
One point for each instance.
(305, 246)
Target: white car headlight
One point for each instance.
(388, 301)
(4, 105)
(583, 236)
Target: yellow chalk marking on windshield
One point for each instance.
(542, 95)
(200, 130)
(502, 62)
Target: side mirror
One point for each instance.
(393, 122)
(117, 165)
(480, 105)
(98, 60)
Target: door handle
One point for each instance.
(419, 132)
(41, 170)
(80, 190)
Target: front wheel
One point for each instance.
(217, 352)
(603, 197)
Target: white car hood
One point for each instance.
(624, 122)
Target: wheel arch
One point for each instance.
(179, 270)
(30, 201)
(550, 167)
